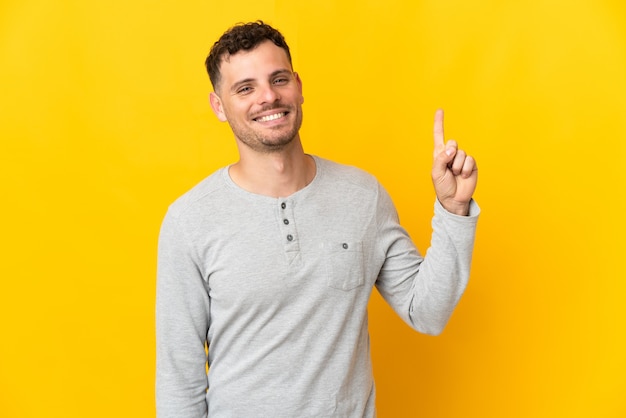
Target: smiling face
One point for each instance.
(260, 97)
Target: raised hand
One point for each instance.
(454, 172)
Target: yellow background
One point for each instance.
(105, 121)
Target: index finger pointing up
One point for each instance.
(438, 131)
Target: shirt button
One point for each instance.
(289, 237)
(286, 221)
(283, 205)
(345, 246)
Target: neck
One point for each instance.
(275, 174)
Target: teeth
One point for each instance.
(271, 117)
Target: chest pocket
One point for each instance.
(344, 264)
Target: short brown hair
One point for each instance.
(243, 36)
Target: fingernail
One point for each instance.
(449, 151)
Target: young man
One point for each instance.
(270, 262)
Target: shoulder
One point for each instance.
(199, 196)
(346, 175)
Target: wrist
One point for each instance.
(457, 208)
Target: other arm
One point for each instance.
(182, 321)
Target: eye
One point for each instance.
(244, 90)
(281, 81)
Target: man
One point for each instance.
(269, 263)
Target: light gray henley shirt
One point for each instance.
(278, 289)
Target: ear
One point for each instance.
(299, 81)
(216, 105)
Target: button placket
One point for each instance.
(287, 215)
(288, 232)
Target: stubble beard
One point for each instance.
(268, 143)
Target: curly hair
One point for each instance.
(243, 36)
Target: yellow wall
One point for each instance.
(104, 121)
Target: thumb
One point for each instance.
(443, 158)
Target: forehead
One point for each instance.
(259, 62)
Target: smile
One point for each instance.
(270, 117)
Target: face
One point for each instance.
(260, 97)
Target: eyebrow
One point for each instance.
(239, 83)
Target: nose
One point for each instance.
(269, 95)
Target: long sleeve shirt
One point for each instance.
(278, 288)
